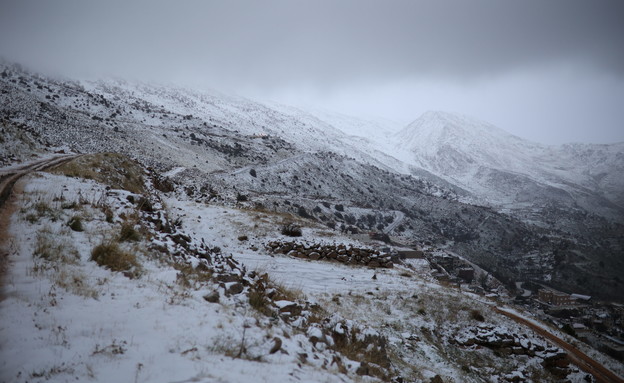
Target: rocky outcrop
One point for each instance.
(336, 253)
(505, 342)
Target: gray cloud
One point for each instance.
(325, 47)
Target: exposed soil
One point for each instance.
(7, 209)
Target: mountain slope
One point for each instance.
(197, 304)
(514, 173)
(228, 150)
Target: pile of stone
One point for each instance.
(339, 253)
(505, 342)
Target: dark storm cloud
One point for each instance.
(278, 42)
(391, 58)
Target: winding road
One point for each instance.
(10, 175)
(397, 221)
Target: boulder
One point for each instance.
(213, 297)
(234, 288)
(277, 345)
(226, 278)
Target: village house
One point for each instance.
(555, 298)
(466, 273)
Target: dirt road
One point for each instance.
(8, 176)
(585, 363)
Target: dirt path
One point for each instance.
(587, 364)
(9, 188)
(7, 209)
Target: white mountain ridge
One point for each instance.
(499, 167)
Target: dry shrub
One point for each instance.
(40, 210)
(111, 256)
(291, 230)
(476, 315)
(116, 170)
(128, 233)
(75, 223)
(52, 249)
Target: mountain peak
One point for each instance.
(446, 123)
(455, 141)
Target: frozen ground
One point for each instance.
(77, 321)
(64, 318)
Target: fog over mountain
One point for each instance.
(549, 72)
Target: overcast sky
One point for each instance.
(551, 71)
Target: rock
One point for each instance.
(363, 369)
(225, 278)
(315, 256)
(290, 309)
(235, 288)
(436, 379)
(374, 264)
(276, 346)
(518, 350)
(213, 297)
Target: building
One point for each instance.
(466, 273)
(449, 262)
(555, 298)
(411, 254)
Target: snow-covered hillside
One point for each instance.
(514, 173)
(454, 182)
(198, 297)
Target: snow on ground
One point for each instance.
(64, 318)
(78, 321)
(223, 225)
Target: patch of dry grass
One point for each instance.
(128, 233)
(116, 170)
(108, 254)
(53, 248)
(188, 275)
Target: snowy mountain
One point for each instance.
(445, 179)
(513, 173)
(453, 144)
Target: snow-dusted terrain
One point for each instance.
(64, 318)
(458, 182)
(216, 177)
(508, 171)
